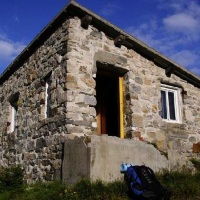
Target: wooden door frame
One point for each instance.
(101, 120)
(121, 106)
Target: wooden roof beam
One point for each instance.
(86, 21)
(119, 40)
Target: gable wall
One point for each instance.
(36, 142)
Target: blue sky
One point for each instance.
(172, 27)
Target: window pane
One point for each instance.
(164, 106)
(13, 119)
(47, 100)
(171, 105)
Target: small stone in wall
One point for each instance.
(40, 143)
(154, 108)
(138, 80)
(137, 120)
(136, 134)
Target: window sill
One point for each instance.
(172, 121)
(173, 125)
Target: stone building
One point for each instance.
(83, 78)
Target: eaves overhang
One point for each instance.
(74, 9)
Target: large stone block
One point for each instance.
(99, 157)
(137, 120)
(40, 143)
(76, 160)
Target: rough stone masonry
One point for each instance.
(69, 55)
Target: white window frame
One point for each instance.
(47, 98)
(13, 118)
(13, 110)
(177, 102)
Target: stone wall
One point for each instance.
(36, 142)
(142, 91)
(70, 56)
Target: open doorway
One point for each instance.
(108, 93)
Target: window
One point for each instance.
(13, 116)
(47, 97)
(13, 111)
(171, 103)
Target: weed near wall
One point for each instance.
(11, 177)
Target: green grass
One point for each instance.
(82, 190)
(183, 186)
(87, 190)
(196, 163)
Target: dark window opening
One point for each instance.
(107, 94)
(47, 82)
(13, 112)
(164, 105)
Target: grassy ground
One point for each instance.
(82, 190)
(183, 186)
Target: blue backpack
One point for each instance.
(143, 184)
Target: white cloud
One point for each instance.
(186, 58)
(175, 33)
(3, 36)
(191, 7)
(154, 36)
(145, 32)
(181, 22)
(195, 70)
(179, 5)
(8, 51)
(109, 9)
(143, 35)
(195, 9)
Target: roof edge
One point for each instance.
(112, 31)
